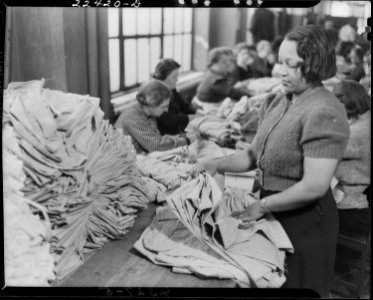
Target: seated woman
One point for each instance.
(356, 56)
(344, 66)
(177, 117)
(139, 120)
(366, 81)
(217, 84)
(353, 171)
(265, 52)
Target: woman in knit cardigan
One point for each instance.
(297, 147)
(353, 172)
(139, 120)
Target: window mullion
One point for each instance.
(162, 31)
(121, 52)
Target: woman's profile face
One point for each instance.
(172, 78)
(244, 57)
(289, 70)
(157, 111)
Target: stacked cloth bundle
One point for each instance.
(205, 240)
(246, 111)
(199, 149)
(170, 174)
(78, 166)
(263, 85)
(28, 261)
(221, 131)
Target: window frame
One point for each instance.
(123, 89)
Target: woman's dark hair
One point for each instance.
(164, 68)
(359, 51)
(216, 53)
(277, 43)
(152, 93)
(344, 49)
(317, 52)
(354, 97)
(239, 47)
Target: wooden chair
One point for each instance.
(361, 243)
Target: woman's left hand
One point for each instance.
(252, 213)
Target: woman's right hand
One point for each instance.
(208, 165)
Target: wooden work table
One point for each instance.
(118, 264)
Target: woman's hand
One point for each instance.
(192, 136)
(252, 213)
(205, 165)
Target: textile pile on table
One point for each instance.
(212, 243)
(78, 166)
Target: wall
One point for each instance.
(63, 46)
(221, 34)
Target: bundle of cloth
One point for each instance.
(246, 111)
(223, 132)
(264, 85)
(77, 166)
(199, 149)
(196, 234)
(28, 261)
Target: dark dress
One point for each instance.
(176, 118)
(319, 218)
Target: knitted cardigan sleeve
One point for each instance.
(325, 133)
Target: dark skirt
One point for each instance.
(313, 230)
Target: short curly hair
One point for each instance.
(164, 68)
(355, 98)
(216, 53)
(317, 51)
(153, 93)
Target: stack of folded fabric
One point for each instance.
(224, 132)
(78, 166)
(28, 261)
(215, 244)
(170, 175)
(199, 149)
(263, 85)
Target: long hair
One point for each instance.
(317, 51)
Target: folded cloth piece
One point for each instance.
(221, 131)
(259, 250)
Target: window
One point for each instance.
(138, 38)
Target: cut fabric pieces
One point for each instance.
(28, 261)
(224, 132)
(79, 168)
(258, 250)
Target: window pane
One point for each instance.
(168, 43)
(142, 20)
(129, 21)
(168, 20)
(178, 44)
(130, 58)
(114, 64)
(156, 20)
(155, 52)
(187, 19)
(179, 20)
(143, 59)
(187, 52)
(113, 22)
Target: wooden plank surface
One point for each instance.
(119, 265)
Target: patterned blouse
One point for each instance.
(144, 132)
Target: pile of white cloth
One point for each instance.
(214, 244)
(78, 166)
(28, 261)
